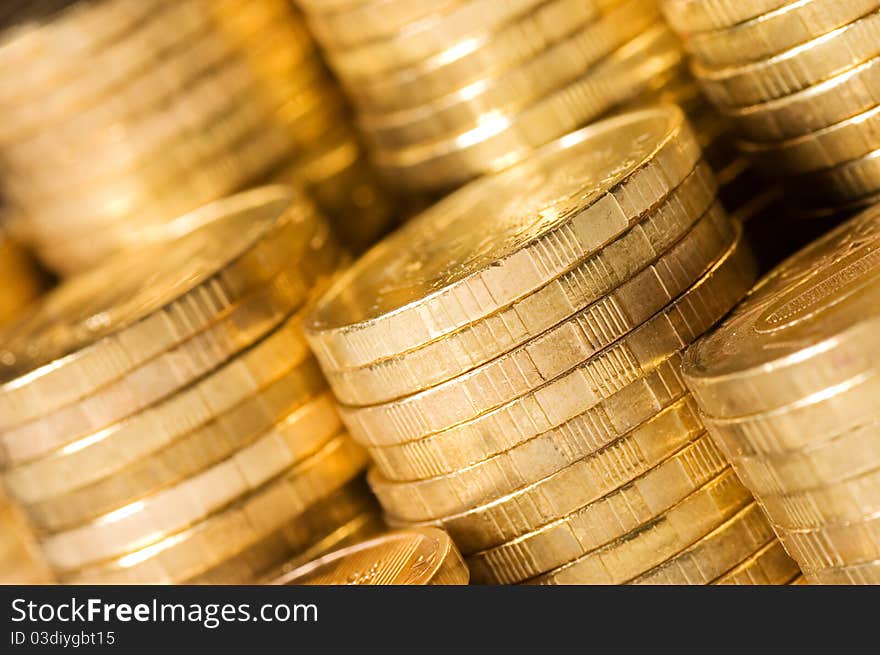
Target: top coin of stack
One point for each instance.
(510, 360)
(120, 115)
(800, 80)
(447, 90)
(161, 419)
(406, 557)
(790, 389)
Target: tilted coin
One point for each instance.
(792, 70)
(271, 510)
(773, 32)
(501, 238)
(655, 542)
(713, 555)
(532, 461)
(814, 108)
(176, 508)
(771, 565)
(802, 329)
(405, 557)
(662, 238)
(604, 365)
(621, 511)
(77, 340)
(846, 455)
(702, 15)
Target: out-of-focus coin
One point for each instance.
(688, 16)
(482, 248)
(866, 573)
(804, 328)
(852, 180)
(405, 557)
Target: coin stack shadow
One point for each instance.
(423, 556)
(162, 418)
(20, 281)
(446, 91)
(20, 559)
(510, 360)
(119, 115)
(800, 82)
(789, 386)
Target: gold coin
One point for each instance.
(406, 557)
(86, 334)
(532, 461)
(425, 38)
(508, 138)
(834, 145)
(866, 573)
(852, 180)
(770, 565)
(715, 554)
(666, 236)
(467, 107)
(487, 54)
(833, 545)
(803, 328)
(852, 453)
(815, 420)
(604, 366)
(655, 542)
(177, 508)
(800, 580)
(795, 69)
(430, 278)
(852, 500)
(245, 324)
(688, 16)
(636, 502)
(766, 35)
(273, 510)
(814, 108)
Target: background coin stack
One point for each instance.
(119, 115)
(20, 282)
(789, 386)
(449, 90)
(404, 557)
(20, 559)
(161, 418)
(800, 80)
(510, 359)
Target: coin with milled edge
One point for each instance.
(702, 15)
(771, 565)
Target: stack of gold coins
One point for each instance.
(161, 418)
(419, 556)
(799, 80)
(20, 283)
(119, 115)
(449, 90)
(510, 359)
(790, 389)
(20, 559)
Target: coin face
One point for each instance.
(128, 288)
(813, 297)
(406, 557)
(488, 221)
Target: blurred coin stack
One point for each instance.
(162, 418)
(447, 90)
(119, 115)
(423, 556)
(789, 386)
(800, 81)
(20, 559)
(510, 360)
(20, 282)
